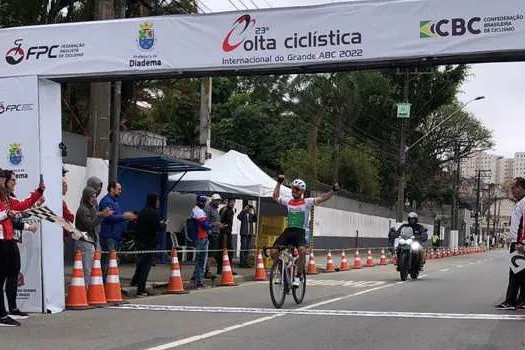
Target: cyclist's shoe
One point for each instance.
(296, 282)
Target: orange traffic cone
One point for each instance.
(96, 294)
(430, 254)
(394, 259)
(260, 272)
(330, 267)
(113, 290)
(382, 260)
(344, 262)
(175, 286)
(312, 269)
(76, 293)
(227, 275)
(357, 260)
(370, 259)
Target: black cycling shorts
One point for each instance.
(292, 236)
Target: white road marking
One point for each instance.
(279, 313)
(459, 266)
(308, 311)
(444, 270)
(343, 283)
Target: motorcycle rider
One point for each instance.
(420, 233)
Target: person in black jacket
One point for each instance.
(226, 238)
(149, 223)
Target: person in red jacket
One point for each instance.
(66, 212)
(9, 252)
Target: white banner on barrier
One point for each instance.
(344, 33)
(20, 152)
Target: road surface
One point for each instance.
(450, 307)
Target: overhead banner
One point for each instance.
(20, 152)
(364, 32)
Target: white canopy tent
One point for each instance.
(232, 173)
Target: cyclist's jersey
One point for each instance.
(298, 211)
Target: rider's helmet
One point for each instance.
(412, 218)
(300, 185)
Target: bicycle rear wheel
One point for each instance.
(299, 292)
(277, 284)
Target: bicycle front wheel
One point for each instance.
(277, 284)
(299, 292)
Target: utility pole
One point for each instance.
(205, 119)
(120, 12)
(401, 184)
(100, 99)
(455, 180)
(478, 193)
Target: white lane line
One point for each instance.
(305, 311)
(444, 270)
(459, 266)
(249, 323)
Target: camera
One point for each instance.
(63, 149)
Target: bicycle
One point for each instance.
(283, 271)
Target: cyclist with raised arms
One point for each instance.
(298, 215)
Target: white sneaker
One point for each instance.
(296, 282)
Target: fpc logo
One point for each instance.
(146, 36)
(240, 29)
(449, 27)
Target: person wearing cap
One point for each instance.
(202, 226)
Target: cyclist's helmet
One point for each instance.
(300, 184)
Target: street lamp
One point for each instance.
(402, 185)
(444, 121)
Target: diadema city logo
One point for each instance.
(15, 154)
(241, 28)
(146, 39)
(146, 36)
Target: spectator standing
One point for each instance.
(516, 281)
(149, 223)
(67, 214)
(226, 238)
(113, 227)
(247, 218)
(202, 226)
(212, 213)
(88, 218)
(10, 262)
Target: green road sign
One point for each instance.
(403, 110)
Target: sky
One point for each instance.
(503, 84)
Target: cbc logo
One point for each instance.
(449, 27)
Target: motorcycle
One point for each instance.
(408, 252)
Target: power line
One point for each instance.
(204, 5)
(267, 3)
(243, 4)
(254, 4)
(233, 4)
